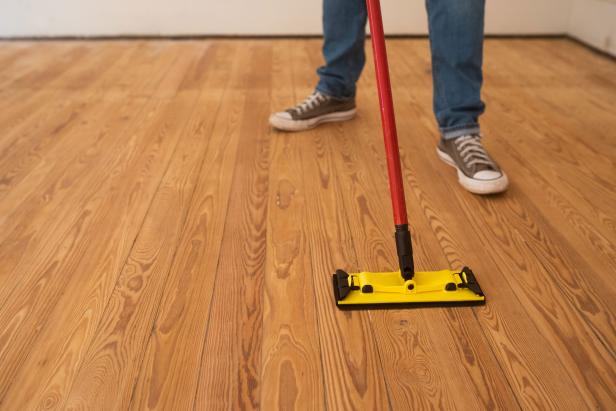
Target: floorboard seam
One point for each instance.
(52, 309)
(166, 276)
(134, 240)
(223, 228)
(369, 313)
(182, 230)
(514, 294)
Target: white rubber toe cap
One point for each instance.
(282, 121)
(486, 175)
(284, 115)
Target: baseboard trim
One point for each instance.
(131, 37)
(592, 48)
(128, 37)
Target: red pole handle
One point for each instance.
(387, 112)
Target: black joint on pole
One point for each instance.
(404, 248)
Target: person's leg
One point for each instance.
(456, 42)
(344, 25)
(344, 28)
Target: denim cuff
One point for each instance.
(323, 90)
(457, 131)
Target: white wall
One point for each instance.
(594, 22)
(195, 17)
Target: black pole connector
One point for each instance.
(405, 251)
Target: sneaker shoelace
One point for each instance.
(472, 152)
(310, 102)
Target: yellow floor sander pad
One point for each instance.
(424, 288)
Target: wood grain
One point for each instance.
(144, 150)
(236, 299)
(100, 285)
(172, 363)
(291, 372)
(352, 370)
(162, 248)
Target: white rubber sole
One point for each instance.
(497, 185)
(285, 124)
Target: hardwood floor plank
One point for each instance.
(176, 186)
(91, 137)
(291, 374)
(570, 219)
(114, 355)
(148, 258)
(594, 92)
(235, 314)
(39, 81)
(11, 54)
(15, 114)
(352, 370)
(597, 250)
(172, 360)
(25, 211)
(353, 374)
(43, 63)
(38, 99)
(591, 196)
(68, 348)
(47, 127)
(174, 78)
(121, 200)
(37, 138)
(39, 134)
(49, 245)
(143, 149)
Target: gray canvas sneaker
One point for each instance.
(315, 109)
(477, 171)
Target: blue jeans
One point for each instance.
(456, 43)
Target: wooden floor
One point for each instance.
(161, 247)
